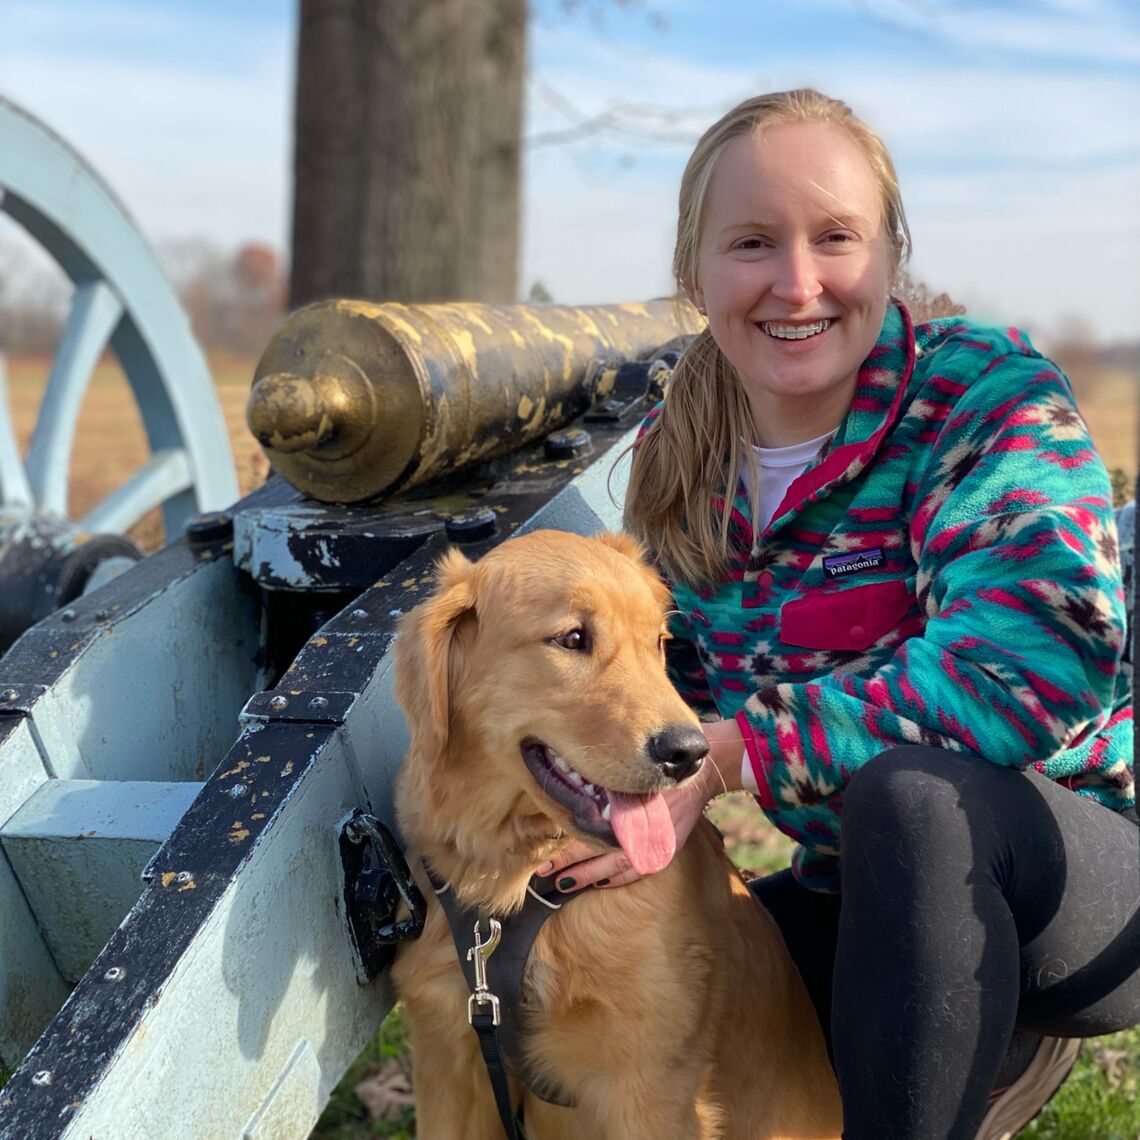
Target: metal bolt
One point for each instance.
(183, 877)
(209, 528)
(102, 615)
(568, 444)
(43, 1077)
(67, 615)
(115, 974)
(278, 703)
(471, 526)
(319, 703)
(238, 790)
(10, 695)
(359, 615)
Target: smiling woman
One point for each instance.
(898, 608)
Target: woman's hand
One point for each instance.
(720, 772)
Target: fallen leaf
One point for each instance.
(387, 1092)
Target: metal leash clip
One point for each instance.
(479, 953)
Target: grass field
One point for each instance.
(1098, 1102)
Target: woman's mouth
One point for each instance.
(782, 331)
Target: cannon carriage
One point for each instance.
(196, 748)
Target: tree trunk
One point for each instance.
(406, 163)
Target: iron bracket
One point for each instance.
(376, 880)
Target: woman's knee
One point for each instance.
(906, 784)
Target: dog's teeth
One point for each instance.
(574, 778)
(589, 789)
(561, 764)
(606, 812)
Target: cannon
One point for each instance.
(197, 885)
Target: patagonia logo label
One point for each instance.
(840, 565)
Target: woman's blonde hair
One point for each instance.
(697, 446)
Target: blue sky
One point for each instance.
(1015, 127)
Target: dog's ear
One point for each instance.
(623, 543)
(629, 546)
(427, 651)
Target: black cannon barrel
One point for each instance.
(353, 400)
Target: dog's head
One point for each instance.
(535, 690)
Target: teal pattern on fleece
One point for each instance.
(945, 572)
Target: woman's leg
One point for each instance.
(809, 922)
(974, 897)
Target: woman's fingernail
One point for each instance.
(602, 883)
(566, 884)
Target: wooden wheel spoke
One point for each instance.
(166, 474)
(95, 312)
(14, 488)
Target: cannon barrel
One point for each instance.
(352, 400)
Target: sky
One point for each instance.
(1015, 128)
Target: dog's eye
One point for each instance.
(577, 640)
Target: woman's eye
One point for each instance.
(751, 243)
(577, 640)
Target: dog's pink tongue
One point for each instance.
(644, 829)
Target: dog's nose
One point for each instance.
(679, 749)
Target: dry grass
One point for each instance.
(110, 443)
(1109, 400)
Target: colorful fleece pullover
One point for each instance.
(945, 572)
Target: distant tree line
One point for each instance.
(235, 301)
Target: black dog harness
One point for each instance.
(493, 953)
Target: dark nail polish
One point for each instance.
(566, 884)
(602, 883)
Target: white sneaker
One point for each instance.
(1014, 1106)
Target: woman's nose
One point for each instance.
(797, 278)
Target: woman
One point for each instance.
(903, 629)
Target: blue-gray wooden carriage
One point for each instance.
(191, 926)
(189, 942)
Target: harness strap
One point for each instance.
(491, 1048)
(503, 972)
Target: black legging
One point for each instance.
(975, 899)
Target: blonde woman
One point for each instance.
(899, 612)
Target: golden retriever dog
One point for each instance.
(535, 691)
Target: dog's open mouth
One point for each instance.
(640, 824)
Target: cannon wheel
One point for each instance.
(121, 301)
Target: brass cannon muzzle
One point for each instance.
(352, 400)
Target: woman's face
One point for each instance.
(793, 270)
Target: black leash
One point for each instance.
(496, 1006)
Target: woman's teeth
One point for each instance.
(794, 332)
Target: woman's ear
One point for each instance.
(695, 294)
(427, 652)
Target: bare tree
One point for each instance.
(407, 140)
